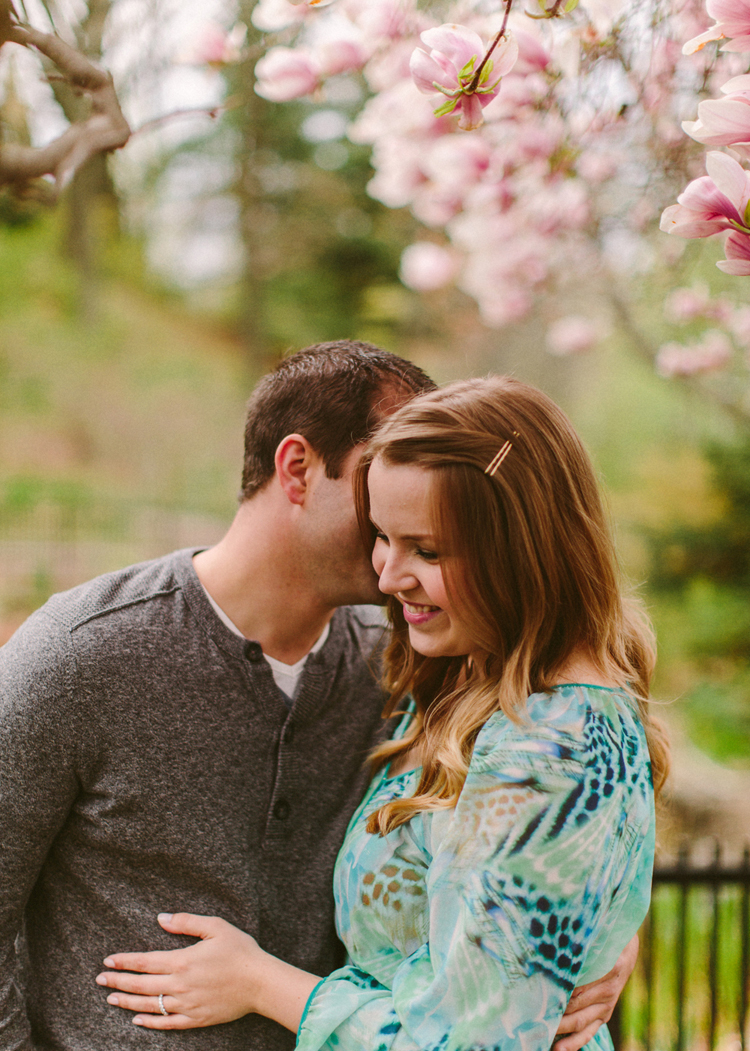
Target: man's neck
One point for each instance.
(261, 583)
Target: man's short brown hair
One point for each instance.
(330, 393)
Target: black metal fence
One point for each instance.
(689, 991)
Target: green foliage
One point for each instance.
(14, 211)
(719, 714)
(701, 579)
(24, 493)
(718, 551)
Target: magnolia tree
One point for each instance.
(539, 146)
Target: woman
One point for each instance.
(503, 853)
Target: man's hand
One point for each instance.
(593, 1004)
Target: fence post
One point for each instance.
(713, 954)
(745, 951)
(682, 864)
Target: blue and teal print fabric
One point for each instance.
(468, 929)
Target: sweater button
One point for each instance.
(253, 652)
(281, 810)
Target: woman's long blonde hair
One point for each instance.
(528, 563)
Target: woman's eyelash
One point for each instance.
(428, 556)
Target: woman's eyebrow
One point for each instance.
(417, 537)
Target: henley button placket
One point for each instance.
(253, 652)
(281, 810)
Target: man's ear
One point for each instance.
(294, 459)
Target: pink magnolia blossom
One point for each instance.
(520, 198)
(603, 14)
(732, 23)
(596, 167)
(713, 353)
(435, 206)
(572, 335)
(394, 114)
(686, 304)
(457, 161)
(450, 68)
(518, 92)
(271, 15)
(717, 201)
(390, 66)
(724, 122)
(538, 140)
(533, 57)
(398, 172)
(286, 73)
(737, 251)
(739, 325)
(426, 266)
(560, 205)
(341, 56)
(216, 47)
(389, 20)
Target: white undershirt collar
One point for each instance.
(286, 676)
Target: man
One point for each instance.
(188, 735)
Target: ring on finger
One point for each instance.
(162, 1008)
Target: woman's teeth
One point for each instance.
(420, 609)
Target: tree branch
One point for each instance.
(104, 130)
(646, 350)
(7, 17)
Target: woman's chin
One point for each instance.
(434, 647)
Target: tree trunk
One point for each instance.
(91, 201)
(253, 117)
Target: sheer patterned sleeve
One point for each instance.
(537, 881)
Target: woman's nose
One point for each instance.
(395, 576)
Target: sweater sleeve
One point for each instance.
(539, 878)
(38, 784)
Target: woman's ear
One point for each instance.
(294, 458)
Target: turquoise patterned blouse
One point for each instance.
(469, 928)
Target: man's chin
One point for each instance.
(370, 598)
(369, 594)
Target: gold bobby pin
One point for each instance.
(499, 456)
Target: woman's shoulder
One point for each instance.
(560, 725)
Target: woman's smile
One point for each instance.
(408, 559)
(418, 614)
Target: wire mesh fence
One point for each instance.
(49, 547)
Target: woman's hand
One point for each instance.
(222, 977)
(591, 1005)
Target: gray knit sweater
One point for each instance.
(148, 763)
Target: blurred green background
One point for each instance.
(122, 384)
